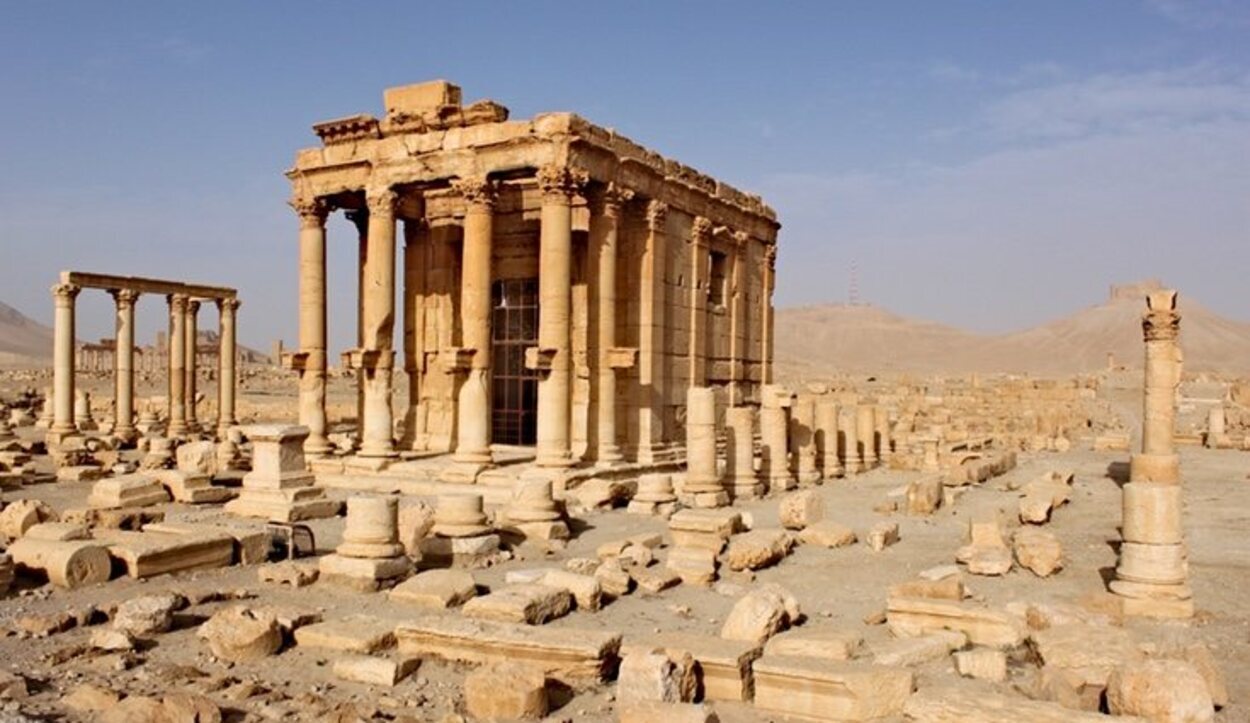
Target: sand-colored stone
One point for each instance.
(1161, 691)
(801, 509)
(240, 634)
(69, 564)
(982, 625)
(146, 554)
(827, 643)
(723, 669)
(506, 693)
(354, 634)
(372, 670)
(531, 604)
(815, 689)
(436, 589)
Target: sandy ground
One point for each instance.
(837, 588)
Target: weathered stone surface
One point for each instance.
(655, 675)
(364, 574)
(69, 564)
(882, 535)
(372, 670)
(761, 614)
(355, 634)
(134, 490)
(924, 496)
(586, 591)
(1161, 691)
(1094, 649)
(240, 634)
(416, 519)
(817, 689)
(918, 650)
(946, 588)
(827, 534)
(695, 565)
(506, 692)
(723, 670)
(1043, 494)
(950, 704)
(189, 708)
(148, 614)
(652, 711)
(983, 626)
(576, 657)
(654, 580)
(531, 604)
(613, 578)
(1038, 551)
(111, 640)
(982, 664)
(198, 457)
(829, 644)
(289, 572)
(146, 554)
(438, 589)
(21, 515)
(87, 698)
(798, 510)
(758, 549)
(133, 709)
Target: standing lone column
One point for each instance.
(559, 184)
(227, 310)
(63, 295)
(803, 439)
(473, 422)
(703, 486)
(1158, 461)
(774, 432)
(740, 423)
(849, 428)
(378, 359)
(177, 365)
(191, 350)
(865, 429)
(606, 228)
(652, 316)
(124, 364)
(827, 438)
(310, 361)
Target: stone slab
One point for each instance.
(814, 689)
(146, 554)
(724, 666)
(356, 634)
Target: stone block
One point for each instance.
(943, 704)
(882, 535)
(251, 542)
(798, 510)
(136, 490)
(530, 604)
(817, 689)
(146, 554)
(723, 670)
(695, 565)
(69, 564)
(289, 572)
(1161, 691)
(372, 670)
(461, 552)
(827, 534)
(240, 634)
(506, 692)
(652, 711)
(354, 634)
(613, 579)
(586, 591)
(436, 589)
(924, 496)
(576, 657)
(758, 549)
(918, 650)
(982, 664)
(654, 580)
(828, 644)
(760, 614)
(1038, 551)
(364, 574)
(20, 516)
(147, 614)
(983, 626)
(655, 675)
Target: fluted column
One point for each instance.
(473, 422)
(559, 184)
(652, 371)
(312, 324)
(227, 310)
(605, 233)
(63, 296)
(1158, 461)
(416, 246)
(177, 364)
(700, 234)
(191, 349)
(378, 359)
(124, 364)
(738, 326)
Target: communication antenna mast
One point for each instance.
(853, 290)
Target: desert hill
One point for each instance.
(868, 339)
(22, 340)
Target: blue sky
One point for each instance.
(985, 164)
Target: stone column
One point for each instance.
(311, 359)
(881, 422)
(1158, 461)
(378, 358)
(849, 428)
(416, 238)
(63, 296)
(652, 371)
(827, 438)
(803, 439)
(473, 415)
(766, 337)
(360, 219)
(605, 227)
(700, 234)
(559, 185)
(227, 310)
(703, 486)
(192, 352)
(738, 326)
(865, 430)
(124, 364)
(740, 424)
(774, 430)
(1217, 435)
(177, 365)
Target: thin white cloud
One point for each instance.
(947, 71)
(1203, 14)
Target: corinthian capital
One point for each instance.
(657, 213)
(478, 192)
(178, 303)
(615, 196)
(125, 298)
(700, 230)
(740, 239)
(381, 200)
(228, 305)
(312, 211)
(65, 292)
(770, 254)
(561, 183)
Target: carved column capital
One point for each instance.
(178, 303)
(740, 239)
(613, 198)
(770, 255)
(561, 183)
(381, 200)
(657, 214)
(230, 305)
(124, 298)
(700, 231)
(1160, 322)
(65, 292)
(312, 211)
(193, 307)
(480, 193)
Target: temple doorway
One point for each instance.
(514, 388)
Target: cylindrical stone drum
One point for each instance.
(1154, 564)
(1152, 513)
(655, 487)
(372, 520)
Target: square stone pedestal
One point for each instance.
(463, 552)
(304, 503)
(279, 487)
(365, 574)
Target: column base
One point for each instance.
(809, 477)
(378, 451)
(317, 447)
(781, 484)
(609, 455)
(1164, 468)
(463, 472)
(747, 489)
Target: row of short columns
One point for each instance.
(182, 370)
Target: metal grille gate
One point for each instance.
(514, 328)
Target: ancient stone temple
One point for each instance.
(560, 285)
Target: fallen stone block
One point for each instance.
(87, 698)
(924, 496)
(21, 515)
(192, 488)
(240, 634)
(909, 617)
(437, 589)
(817, 689)
(289, 572)
(798, 510)
(586, 591)
(654, 580)
(761, 614)
(882, 535)
(946, 588)
(950, 704)
(695, 565)
(655, 674)
(1038, 551)
(918, 650)
(148, 614)
(758, 549)
(132, 490)
(982, 664)
(529, 604)
(1161, 691)
(613, 578)
(651, 712)
(828, 644)
(58, 531)
(252, 543)
(353, 634)
(364, 574)
(705, 528)
(576, 657)
(506, 692)
(372, 670)
(459, 552)
(723, 667)
(146, 554)
(1042, 495)
(827, 534)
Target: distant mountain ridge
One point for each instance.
(23, 341)
(866, 339)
